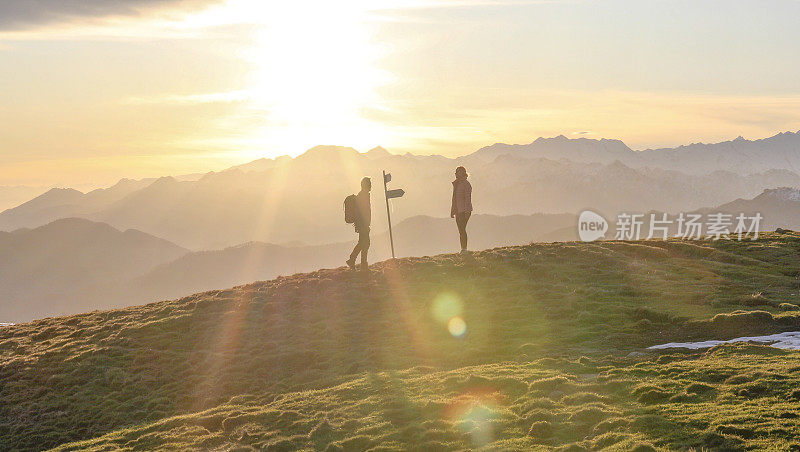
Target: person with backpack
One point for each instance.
(357, 210)
(461, 208)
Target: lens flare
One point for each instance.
(479, 418)
(445, 306)
(474, 411)
(457, 326)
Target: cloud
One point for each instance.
(16, 15)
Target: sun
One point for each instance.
(315, 75)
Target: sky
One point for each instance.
(95, 90)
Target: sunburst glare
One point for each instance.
(315, 74)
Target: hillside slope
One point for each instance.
(415, 236)
(75, 265)
(393, 348)
(65, 266)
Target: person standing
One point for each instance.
(362, 220)
(461, 208)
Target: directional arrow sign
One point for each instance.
(387, 178)
(396, 193)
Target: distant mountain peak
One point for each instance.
(59, 191)
(324, 151)
(329, 148)
(560, 147)
(76, 224)
(782, 194)
(260, 164)
(559, 138)
(165, 180)
(53, 196)
(377, 152)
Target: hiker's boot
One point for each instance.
(351, 263)
(364, 267)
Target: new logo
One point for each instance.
(591, 226)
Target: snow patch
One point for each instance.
(789, 341)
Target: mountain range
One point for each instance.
(69, 264)
(740, 156)
(75, 265)
(779, 208)
(298, 200)
(144, 240)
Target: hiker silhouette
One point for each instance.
(357, 209)
(461, 208)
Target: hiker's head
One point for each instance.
(366, 184)
(461, 173)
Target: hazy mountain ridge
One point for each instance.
(69, 265)
(12, 196)
(549, 186)
(585, 150)
(74, 265)
(58, 203)
(286, 199)
(779, 207)
(33, 289)
(740, 156)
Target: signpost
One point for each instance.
(389, 194)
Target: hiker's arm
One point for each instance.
(453, 208)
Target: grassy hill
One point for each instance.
(518, 347)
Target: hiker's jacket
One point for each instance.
(462, 197)
(364, 216)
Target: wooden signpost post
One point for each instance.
(389, 194)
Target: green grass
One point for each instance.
(731, 397)
(333, 359)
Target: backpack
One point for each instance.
(350, 209)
